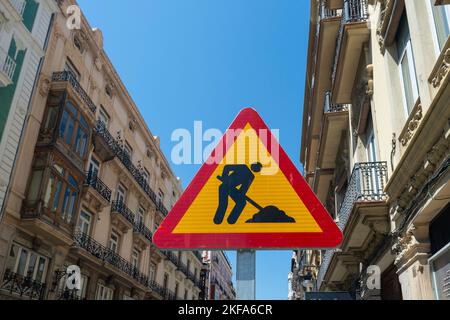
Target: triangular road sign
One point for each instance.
(248, 195)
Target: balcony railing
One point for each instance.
(182, 267)
(354, 11)
(92, 180)
(120, 207)
(122, 155)
(139, 227)
(19, 5)
(326, 13)
(67, 76)
(7, 64)
(366, 185)
(24, 287)
(329, 107)
(85, 242)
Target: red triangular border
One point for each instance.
(331, 236)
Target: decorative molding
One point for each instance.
(441, 68)
(413, 123)
(44, 85)
(387, 7)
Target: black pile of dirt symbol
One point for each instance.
(271, 214)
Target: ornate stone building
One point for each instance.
(375, 146)
(218, 276)
(90, 186)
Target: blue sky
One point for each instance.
(204, 60)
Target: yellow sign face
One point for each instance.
(270, 189)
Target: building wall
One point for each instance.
(220, 277)
(391, 228)
(61, 241)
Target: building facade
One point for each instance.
(90, 186)
(24, 29)
(375, 147)
(218, 276)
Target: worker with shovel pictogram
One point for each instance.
(236, 181)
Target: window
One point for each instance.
(74, 130)
(441, 15)
(135, 258)
(61, 195)
(84, 223)
(128, 150)
(94, 167)
(185, 294)
(103, 292)
(70, 67)
(146, 176)
(405, 61)
(188, 266)
(177, 287)
(108, 91)
(166, 281)
(114, 242)
(155, 226)
(152, 272)
(27, 263)
(121, 193)
(140, 216)
(103, 116)
(160, 196)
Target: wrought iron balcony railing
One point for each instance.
(24, 287)
(92, 180)
(326, 13)
(120, 207)
(7, 64)
(122, 155)
(354, 11)
(182, 267)
(366, 185)
(142, 229)
(94, 248)
(67, 76)
(329, 107)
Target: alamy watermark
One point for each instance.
(73, 17)
(236, 147)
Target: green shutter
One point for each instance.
(29, 14)
(7, 93)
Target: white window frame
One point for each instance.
(412, 72)
(94, 165)
(82, 221)
(27, 263)
(135, 258)
(114, 242)
(103, 292)
(152, 272)
(121, 194)
(140, 215)
(103, 116)
(433, 22)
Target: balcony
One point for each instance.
(105, 255)
(107, 148)
(121, 216)
(142, 236)
(65, 80)
(353, 33)
(363, 218)
(182, 267)
(334, 125)
(97, 194)
(7, 68)
(22, 287)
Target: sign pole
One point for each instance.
(246, 275)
